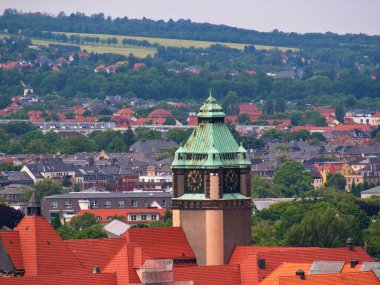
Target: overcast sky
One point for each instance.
(339, 16)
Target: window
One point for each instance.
(134, 203)
(133, 217)
(164, 203)
(107, 204)
(54, 204)
(94, 204)
(99, 219)
(109, 218)
(68, 204)
(145, 203)
(120, 204)
(143, 217)
(153, 217)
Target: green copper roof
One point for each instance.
(211, 145)
(211, 109)
(229, 196)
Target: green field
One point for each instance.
(137, 51)
(145, 51)
(177, 42)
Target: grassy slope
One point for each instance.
(143, 51)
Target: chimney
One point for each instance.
(350, 243)
(96, 270)
(301, 274)
(354, 262)
(261, 263)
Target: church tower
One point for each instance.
(211, 188)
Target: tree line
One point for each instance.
(14, 20)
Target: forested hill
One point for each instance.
(14, 20)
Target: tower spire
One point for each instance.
(33, 208)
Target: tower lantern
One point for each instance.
(211, 188)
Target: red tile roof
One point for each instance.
(43, 250)
(95, 252)
(161, 243)
(275, 256)
(206, 275)
(125, 111)
(250, 109)
(357, 278)
(312, 129)
(62, 279)
(192, 120)
(160, 113)
(353, 126)
(11, 242)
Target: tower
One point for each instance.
(211, 188)
(33, 208)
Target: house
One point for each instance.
(152, 146)
(250, 109)
(160, 113)
(138, 65)
(18, 177)
(375, 191)
(13, 193)
(209, 243)
(129, 216)
(73, 202)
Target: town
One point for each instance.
(186, 165)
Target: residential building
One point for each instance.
(71, 203)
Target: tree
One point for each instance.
(327, 228)
(244, 119)
(129, 137)
(179, 135)
(56, 221)
(261, 188)
(293, 178)
(337, 180)
(230, 103)
(9, 217)
(340, 113)
(44, 188)
(372, 237)
(82, 227)
(269, 106)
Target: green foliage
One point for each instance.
(325, 228)
(147, 134)
(9, 217)
(169, 152)
(337, 180)
(261, 188)
(293, 179)
(230, 103)
(44, 188)
(56, 221)
(179, 135)
(244, 119)
(82, 227)
(323, 217)
(372, 237)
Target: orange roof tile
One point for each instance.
(357, 278)
(161, 243)
(206, 275)
(125, 111)
(160, 113)
(62, 279)
(275, 256)
(250, 109)
(11, 241)
(95, 252)
(43, 250)
(353, 126)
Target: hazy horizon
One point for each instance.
(338, 16)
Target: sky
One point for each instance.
(301, 16)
